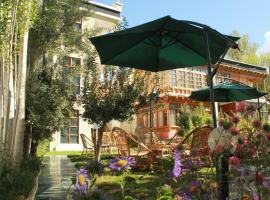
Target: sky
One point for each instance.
(250, 17)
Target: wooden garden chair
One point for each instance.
(198, 149)
(153, 141)
(123, 145)
(87, 144)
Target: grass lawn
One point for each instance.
(59, 153)
(141, 184)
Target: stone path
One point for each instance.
(54, 179)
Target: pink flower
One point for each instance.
(241, 107)
(234, 161)
(256, 124)
(251, 109)
(234, 131)
(235, 119)
(245, 140)
(255, 196)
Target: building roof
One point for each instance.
(245, 66)
(103, 8)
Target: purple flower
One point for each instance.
(266, 184)
(235, 119)
(121, 163)
(177, 165)
(193, 186)
(81, 184)
(188, 164)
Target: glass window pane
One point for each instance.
(173, 77)
(64, 136)
(160, 120)
(75, 89)
(165, 118)
(172, 117)
(74, 139)
(74, 131)
(155, 119)
(76, 61)
(75, 80)
(66, 60)
(74, 122)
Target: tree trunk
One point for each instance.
(99, 142)
(19, 120)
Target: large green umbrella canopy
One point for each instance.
(163, 44)
(227, 92)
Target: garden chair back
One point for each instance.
(87, 144)
(122, 142)
(147, 135)
(199, 144)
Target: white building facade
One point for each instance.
(68, 138)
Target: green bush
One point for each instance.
(18, 185)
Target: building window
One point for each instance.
(172, 117)
(160, 120)
(165, 118)
(182, 79)
(173, 78)
(70, 132)
(155, 119)
(70, 73)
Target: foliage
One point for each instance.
(47, 104)
(188, 120)
(109, 93)
(13, 183)
(249, 53)
(43, 148)
(48, 98)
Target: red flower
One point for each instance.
(219, 148)
(259, 177)
(235, 119)
(234, 161)
(256, 124)
(234, 131)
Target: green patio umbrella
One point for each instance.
(164, 44)
(227, 92)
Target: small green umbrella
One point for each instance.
(227, 92)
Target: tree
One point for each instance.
(16, 18)
(49, 99)
(109, 93)
(248, 50)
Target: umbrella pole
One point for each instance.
(210, 80)
(220, 171)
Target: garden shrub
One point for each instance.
(18, 185)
